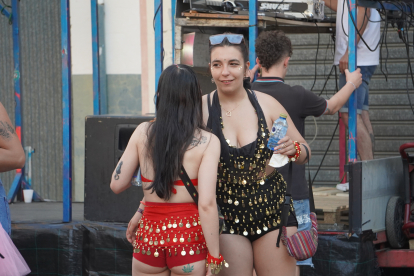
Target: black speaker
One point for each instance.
(106, 139)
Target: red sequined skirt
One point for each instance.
(170, 229)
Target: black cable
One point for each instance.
(6, 5)
(155, 15)
(323, 158)
(326, 81)
(382, 42)
(326, 55)
(153, 26)
(411, 71)
(316, 57)
(358, 32)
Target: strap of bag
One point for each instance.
(189, 185)
(311, 200)
(288, 196)
(286, 204)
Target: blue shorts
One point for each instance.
(362, 91)
(302, 211)
(5, 220)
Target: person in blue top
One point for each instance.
(273, 50)
(11, 157)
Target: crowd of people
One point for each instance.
(219, 141)
(205, 158)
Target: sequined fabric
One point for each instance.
(249, 200)
(171, 228)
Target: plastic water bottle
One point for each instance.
(277, 132)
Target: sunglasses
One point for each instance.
(232, 38)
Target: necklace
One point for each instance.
(228, 113)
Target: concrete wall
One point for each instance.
(123, 68)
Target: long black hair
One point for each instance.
(179, 118)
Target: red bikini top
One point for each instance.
(176, 183)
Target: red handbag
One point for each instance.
(302, 245)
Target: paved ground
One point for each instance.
(43, 212)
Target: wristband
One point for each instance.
(295, 157)
(140, 211)
(216, 264)
(352, 84)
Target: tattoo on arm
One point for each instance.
(188, 268)
(6, 130)
(3, 131)
(118, 170)
(195, 142)
(10, 129)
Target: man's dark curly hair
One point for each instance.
(272, 47)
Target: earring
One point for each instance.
(212, 80)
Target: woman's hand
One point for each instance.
(253, 72)
(285, 147)
(354, 77)
(133, 227)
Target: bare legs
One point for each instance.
(238, 252)
(364, 142)
(367, 123)
(141, 269)
(268, 259)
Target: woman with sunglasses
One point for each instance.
(249, 192)
(174, 233)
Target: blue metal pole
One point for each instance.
(253, 32)
(95, 57)
(352, 64)
(17, 93)
(66, 106)
(158, 42)
(173, 10)
(17, 65)
(4, 11)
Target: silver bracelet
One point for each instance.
(352, 84)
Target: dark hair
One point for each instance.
(242, 47)
(179, 116)
(272, 47)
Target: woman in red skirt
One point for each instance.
(174, 236)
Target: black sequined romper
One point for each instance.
(250, 200)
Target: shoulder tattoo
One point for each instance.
(195, 142)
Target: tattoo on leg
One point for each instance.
(118, 170)
(195, 142)
(188, 268)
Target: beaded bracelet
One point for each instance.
(295, 157)
(216, 264)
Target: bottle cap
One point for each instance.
(283, 115)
